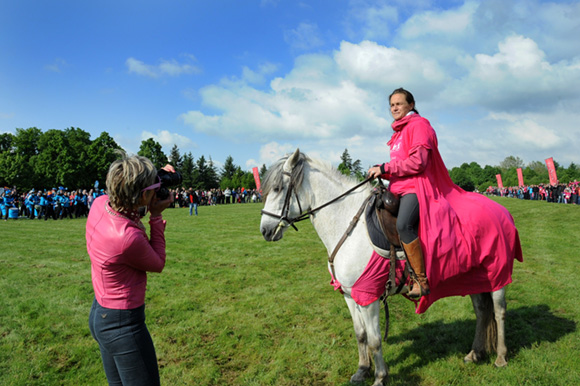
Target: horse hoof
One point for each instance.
(472, 357)
(360, 376)
(500, 362)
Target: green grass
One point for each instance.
(230, 308)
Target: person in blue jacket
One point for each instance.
(65, 205)
(8, 203)
(29, 202)
(37, 206)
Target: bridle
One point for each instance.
(287, 221)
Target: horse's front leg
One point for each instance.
(367, 330)
(364, 360)
(499, 307)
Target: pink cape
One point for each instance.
(469, 241)
(371, 284)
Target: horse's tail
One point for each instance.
(489, 323)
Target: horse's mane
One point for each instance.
(274, 176)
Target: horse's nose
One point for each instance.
(267, 233)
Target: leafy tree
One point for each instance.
(78, 142)
(462, 177)
(100, 154)
(511, 162)
(24, 146)
(152, 149)
(54, 162)
(25, 142)
(6, 141)
(8, 168)
(574, 171)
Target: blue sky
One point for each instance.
(256, 79)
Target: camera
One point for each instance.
(168, 180)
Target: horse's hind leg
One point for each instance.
(482, 307)
(499, 307)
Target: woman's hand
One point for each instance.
(157, 206)
(169, 168)
(374, 172)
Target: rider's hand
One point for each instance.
(374, 172)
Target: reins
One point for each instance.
(308, 213)
(303, 216)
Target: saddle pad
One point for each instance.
(378, 239)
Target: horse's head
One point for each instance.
(282, 206)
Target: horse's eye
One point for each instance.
(276, 190)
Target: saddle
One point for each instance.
(381, 218)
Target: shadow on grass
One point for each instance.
(525, 327)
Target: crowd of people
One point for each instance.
(62, 203)
(562, 193)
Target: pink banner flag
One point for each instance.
(257, 179)
(499, 183)
(520, 177)
(552, 171)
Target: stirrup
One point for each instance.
(421, 293)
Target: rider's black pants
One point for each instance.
(408, 218)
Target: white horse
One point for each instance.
(296, 185)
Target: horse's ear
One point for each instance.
(291, 161)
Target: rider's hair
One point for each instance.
(408, 96)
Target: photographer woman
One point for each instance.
(121, 255)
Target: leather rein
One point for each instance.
(285, 220)
(304, 215)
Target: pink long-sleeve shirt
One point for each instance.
(121, 255)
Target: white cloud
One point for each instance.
(57, 66)
(313, 101)
(385, 68)
(165, 67)
(371, 22)
(450, 23)
(489, 92)
(305, 37)
(168, 139)
(260, 76)
(526, 130)
(516, 78)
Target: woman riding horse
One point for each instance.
(438, 222)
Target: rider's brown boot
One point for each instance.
(417, 262)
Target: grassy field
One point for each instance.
(231, 309)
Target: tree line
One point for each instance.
(471, 176)
(32, 158)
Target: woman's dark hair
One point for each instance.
(408, 97)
